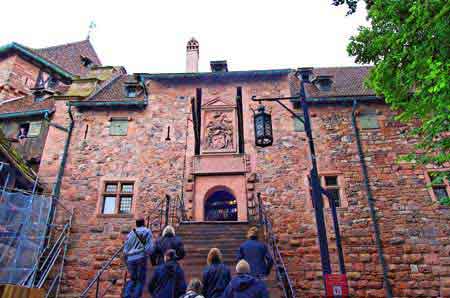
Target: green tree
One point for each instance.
(408, 42)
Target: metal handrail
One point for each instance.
(51, 254)
(99, 273)
(282, 273)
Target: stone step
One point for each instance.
(215, 234)
(208, 244)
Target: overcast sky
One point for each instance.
(151, 36)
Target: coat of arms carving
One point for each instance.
(219, 132)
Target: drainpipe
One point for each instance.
(57, 187)
(373, 215)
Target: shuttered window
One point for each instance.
(119, 127)
(34, 129)
(368, 121)
(298, 125)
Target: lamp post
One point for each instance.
(264, 137)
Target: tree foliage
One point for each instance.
(408, 42)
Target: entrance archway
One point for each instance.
(220, 205)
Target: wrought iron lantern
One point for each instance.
(263, 127)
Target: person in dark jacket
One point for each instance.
(168, 279)
(256, 254)
(244, 285)
(168, 240)
(136, 250)
(216, 275)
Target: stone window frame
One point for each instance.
(120, 181)
(367, 112)
(340, 182)
(118, 119)
(131, 91)
(428, 180)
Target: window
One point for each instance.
(118, 127)
(23, 130)
(298, 125)
(131, 91)
(29, 130)
(86, 61)
(117, 198)
(331, 184)
(52, 83)
(440, 186)
(34, 129)
(368, 120)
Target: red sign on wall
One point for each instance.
(336, 286)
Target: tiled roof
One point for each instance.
(114, 90)
(347, 82)
(68, 56)
(26, 104)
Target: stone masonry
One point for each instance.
(414, 228)
(156, 153)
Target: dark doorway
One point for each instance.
(221, 205)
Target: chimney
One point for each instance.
(219, 66)
(192, 55)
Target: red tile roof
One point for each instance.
(347, 81)
(68, 56)
(115, 90)
(26, 104)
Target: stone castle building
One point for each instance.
(139, 137)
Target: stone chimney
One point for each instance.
(192, 55)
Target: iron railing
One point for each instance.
(168, 212)
(47, 270)
(260, 215)
(43, 275)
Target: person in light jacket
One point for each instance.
(168, 240)
(216, 275)
(137, 248)
(244, 285)
(194, 289)
(256, 254)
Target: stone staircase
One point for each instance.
(200, 237)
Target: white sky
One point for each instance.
(151, 36)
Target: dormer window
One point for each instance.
(131, 87)
(86, 61)
(323, 83)
(40, 94)
(52, 83)
(131, 91)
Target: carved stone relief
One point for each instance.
(219, 131)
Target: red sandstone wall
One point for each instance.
(414, 230)
(5, 68)
(18, 74)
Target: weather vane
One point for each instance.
(92, 26)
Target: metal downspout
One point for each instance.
(372, 211)
(57, 187)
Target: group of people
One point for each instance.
(168, 279)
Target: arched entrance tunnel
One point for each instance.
(221, 205)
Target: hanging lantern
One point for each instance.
(263, 127)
